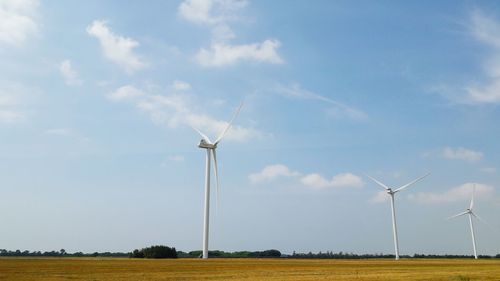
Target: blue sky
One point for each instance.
(97, 100)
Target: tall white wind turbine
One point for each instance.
(210, 146)
(391, 193)
(471, 214)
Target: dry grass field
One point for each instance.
(245, 269)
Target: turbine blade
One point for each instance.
(458, 215)
(202, 135)
(379, 183)
(411, 183)
(472, 198)
(480, 219)
(214, 154)
(229, 124)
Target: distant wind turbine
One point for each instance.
(391, 193)
(210, 146)
(471, 214)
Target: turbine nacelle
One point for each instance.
(206, 145)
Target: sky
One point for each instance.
(97, 101)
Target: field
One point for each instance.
(245, 269)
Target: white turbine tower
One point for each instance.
(210, 146)
(391, 193)
(471, 214)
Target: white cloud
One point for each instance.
(314, 180)
(210, 12)
(221, 54)
(461, 153)
(181, 85)
(116, 48)
(272, 172)
(174, 110)
(380, 197)
(295, 91)
(127, 92)
(341, 180)
(456, 194)
(17, 20)
(216, 14)
(69, 74)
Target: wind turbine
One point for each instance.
(471, 214)
(210, 146)
(391, 193)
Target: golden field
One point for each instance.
(245, 269)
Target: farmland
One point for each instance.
(245, 269)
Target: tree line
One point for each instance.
(60, 253)
(159, 252)
(342, 255)
(240, 254)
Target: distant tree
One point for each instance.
(137, 254)
(155, 252)
(63, 252)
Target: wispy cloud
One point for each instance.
(455, 153)
(59, 132)
(178, 109)
(313, 180)
(489, 170)
(176, 158)
(11, 116)
(461, 153)
(181, 85)
(485, 30)
(116, 48)
(66, 133)
(70, 75)
(15, 102)
(295, 91)
(455, 194)
(127, 92)
(217, 14)
(17, 20)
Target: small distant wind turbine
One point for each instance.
(471, 214)
(210, 146)
(391, 193)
